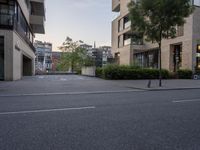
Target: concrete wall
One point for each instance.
(125, 55)
(115, 36)
(123, 7)
(88, 71)
(18, 56)
(13, 57)
(8, 54)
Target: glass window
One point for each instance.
(197, 2)
(7, 12)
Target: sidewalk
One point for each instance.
(166, 84)
(57, 84)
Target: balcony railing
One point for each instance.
(127, 42)
(23, 34)
(6, 21)
(127, 24)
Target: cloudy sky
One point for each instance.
(87, 20)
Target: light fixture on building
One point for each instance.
(198, 47)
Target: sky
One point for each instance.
(86, 20)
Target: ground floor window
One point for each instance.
(177, 57)
(148, 59)
(198, 58)
(1, 58)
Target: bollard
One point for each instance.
(149, 84)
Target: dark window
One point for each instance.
(1, 58)
(7, 11)
(198, 57)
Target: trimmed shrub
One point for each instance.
(184, 74)
(115, 72)
(99, 72)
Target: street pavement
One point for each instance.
(107, 116)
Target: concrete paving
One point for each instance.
(166, 84)
(58, 84)
(148, 120)
(83, 113)
(74, 84)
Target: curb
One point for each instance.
(168, 89)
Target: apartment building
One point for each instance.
(43, 61)
(56, 57)
(20, 20)
(182, 52)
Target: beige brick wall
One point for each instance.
(196, 33)
(115, 36)
(123, 7)
(125, 55)
(189, 41)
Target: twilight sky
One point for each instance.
(87, 20)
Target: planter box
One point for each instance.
(88, 71)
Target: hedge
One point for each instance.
(184, 74)
(115, 72)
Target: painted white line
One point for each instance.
(186, 101)
(73, 93)
(46, 110)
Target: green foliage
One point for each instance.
(73, 56)
(157, 19)
(99, 72)
(89, 61)
(184, 74)
(115, 72)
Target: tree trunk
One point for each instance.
(160, 66)
(72, 66)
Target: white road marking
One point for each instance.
(46, 110)
(186, 101)
(73, 93)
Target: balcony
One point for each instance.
(37, 17)
(116, 5)
(127, 24)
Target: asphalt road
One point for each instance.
(140, 120)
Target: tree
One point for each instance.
(157, 20)
(73, 55)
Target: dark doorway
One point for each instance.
(177, 57)
(1, 58)
(27, 66)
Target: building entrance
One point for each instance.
(27, 66)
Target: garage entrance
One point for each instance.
(27, 66)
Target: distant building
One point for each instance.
(43, 62)
(106, 55)
(20, 20)
(56, 56)
(102, 56)
(89, 49)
